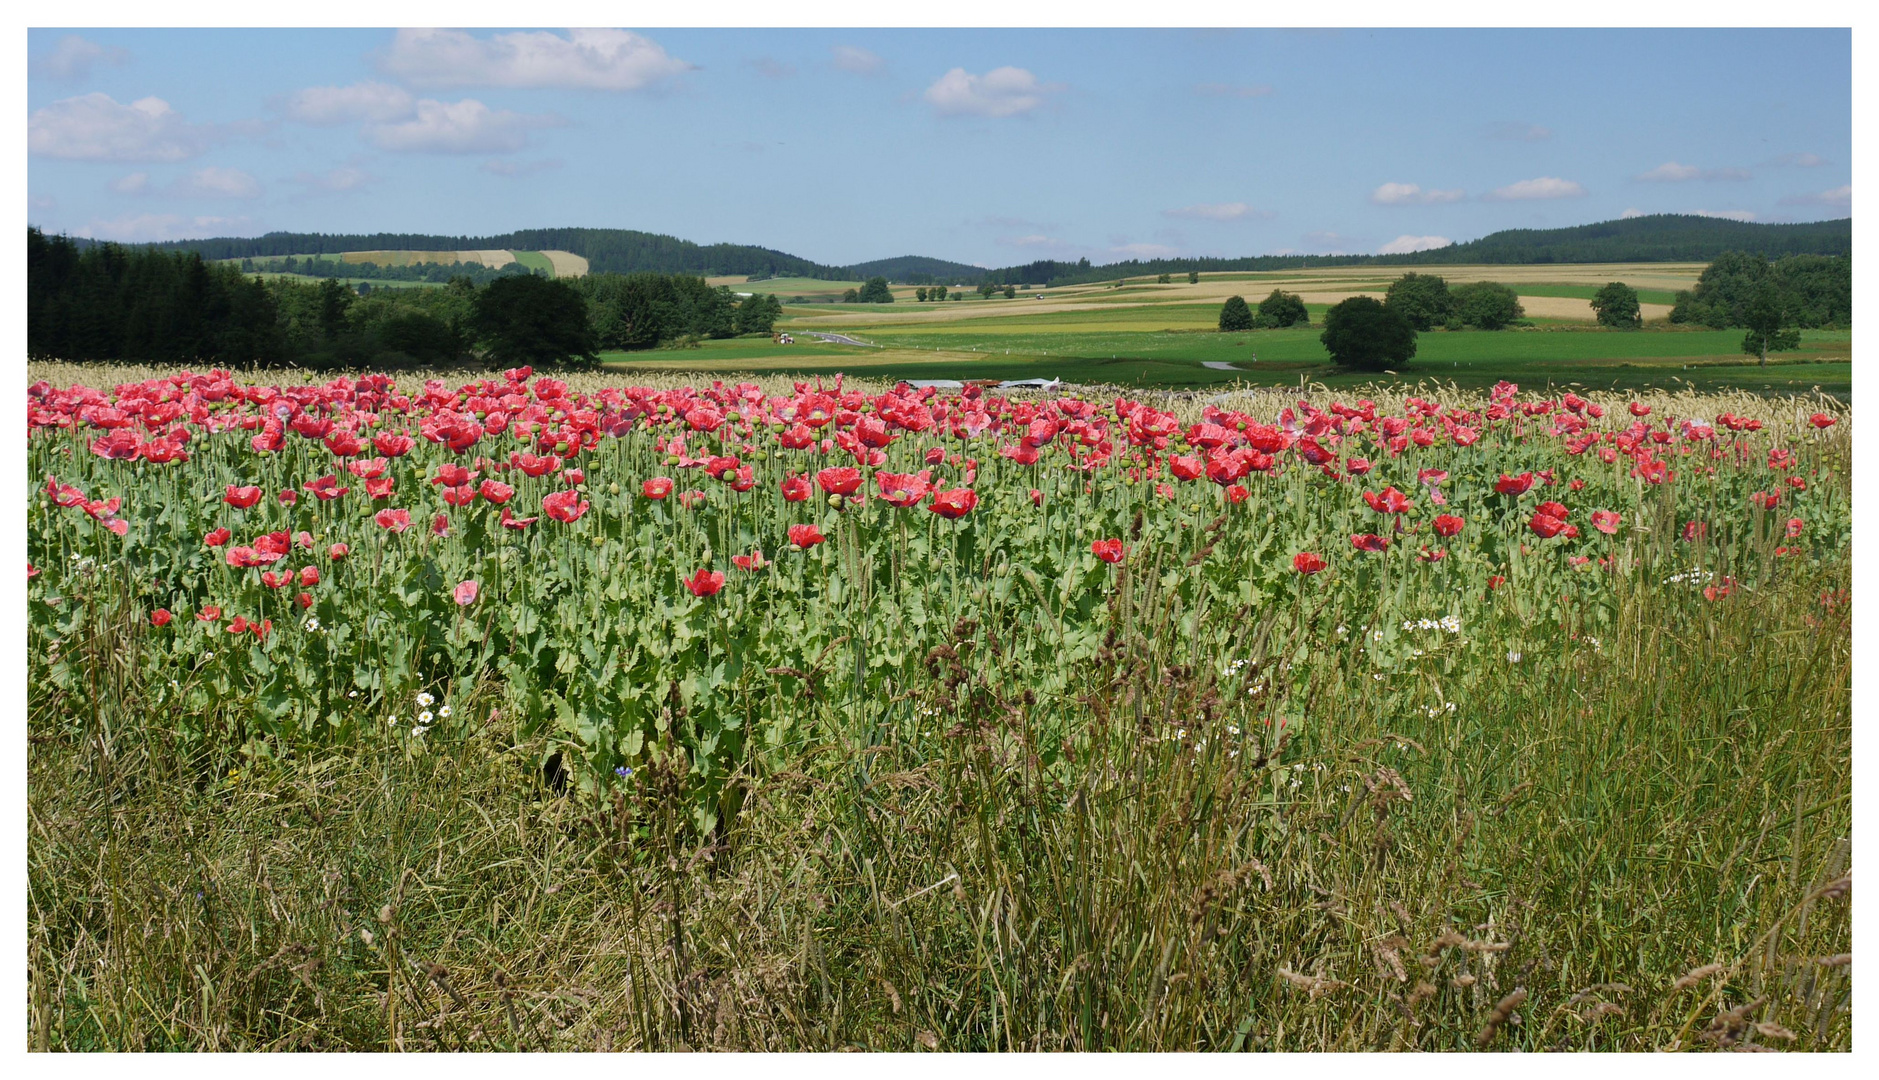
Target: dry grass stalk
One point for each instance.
(1503, 1012)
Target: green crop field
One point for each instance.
(536, 261)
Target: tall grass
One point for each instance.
(1642, 845)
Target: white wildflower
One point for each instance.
(424, 698)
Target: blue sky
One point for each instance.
(992, 147)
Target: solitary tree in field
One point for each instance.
(986, 289)
(937, 292)
(524, 319)
(1235, 315)
(1485, 304)
(919, 295)
(1364, 334)
(875, 291)
(1423, 299)
(1010, 292)
(1617, 305)
(1193, 277)
(1770, 324)
(1281, 309)
(1164, 280)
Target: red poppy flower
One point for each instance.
(1640, 410)
(510, 521)
(337, 552)
(1546, 525)
(1447, 524)
(1553, 509)
(440, 525)
(1795, 525)
(392, 446)
(380, 488)
(689, 499)
(1431, 477)
(705, 583)
(902, 489)
(209, 613)
(1308, 563)
(954, 504)
(160, 617)
(459, 496)
(239, 625)
(564, 506)
(465, 593)
(241, 498)
(288, 498)
(369, 469)
(1357, 466)
(326, 488)
(1695, 530)
(1606, 521)
(305, 600)
(656, 488)
(1237, 493)
(843, 481)
(1391, 501)
(1821, 420)
(796, 488)
(1797, 483)
(309, 576)
(495, 491)
(535, 466)
(1514, 485)
(574, 476)
(67, 495)
(262, 629)
(1766, 500)
(1109, 551)
(395, 520)
(1037, 497)
(275, 580)
(1369, 542)
(1496, 582)
(1185, 468)
(31, 571)
(805, 536)
(751, 562)
(216, 538)
(1425, 555)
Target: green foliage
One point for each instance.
(1235, 315)
(1193, 277)
(1617, 306)
(639, 311)
(758, 314)
(851, 296)
(1362, 333)
(533, 320)
(1422, 299)
(919, 295)
(421, 336)
(1011, 292)
(875, 291)
(1816, 291)
(1485, 305)
(1164, 279)
(1281, 309)
(1769, 322)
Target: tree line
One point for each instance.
(104, 302)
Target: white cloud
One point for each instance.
(1631, 212)
(456, 127)
(1518, 131)
(41, 202)
(136, 183)
(215, 182)
(149, 228)
(1236, 90)
(1146, 251)
(344, 178)
(857, 60)
(1395, 194)
(1803, 161)
(1841, 196)
(1034, 240)
(1005, 91)
(374, 102)
(583, 60)
(1732, 215)
(1405, 244)
(1672, 172)
(96, 128)
(72, 59)
(1542, 187)
(1233, 211)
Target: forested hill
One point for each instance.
(621, 251)
(1653, 238)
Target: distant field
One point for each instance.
(565, 263)
(314, 279)
(534, 260)
(560, 264)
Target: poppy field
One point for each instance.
(826, 714)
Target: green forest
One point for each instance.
(104, 302)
